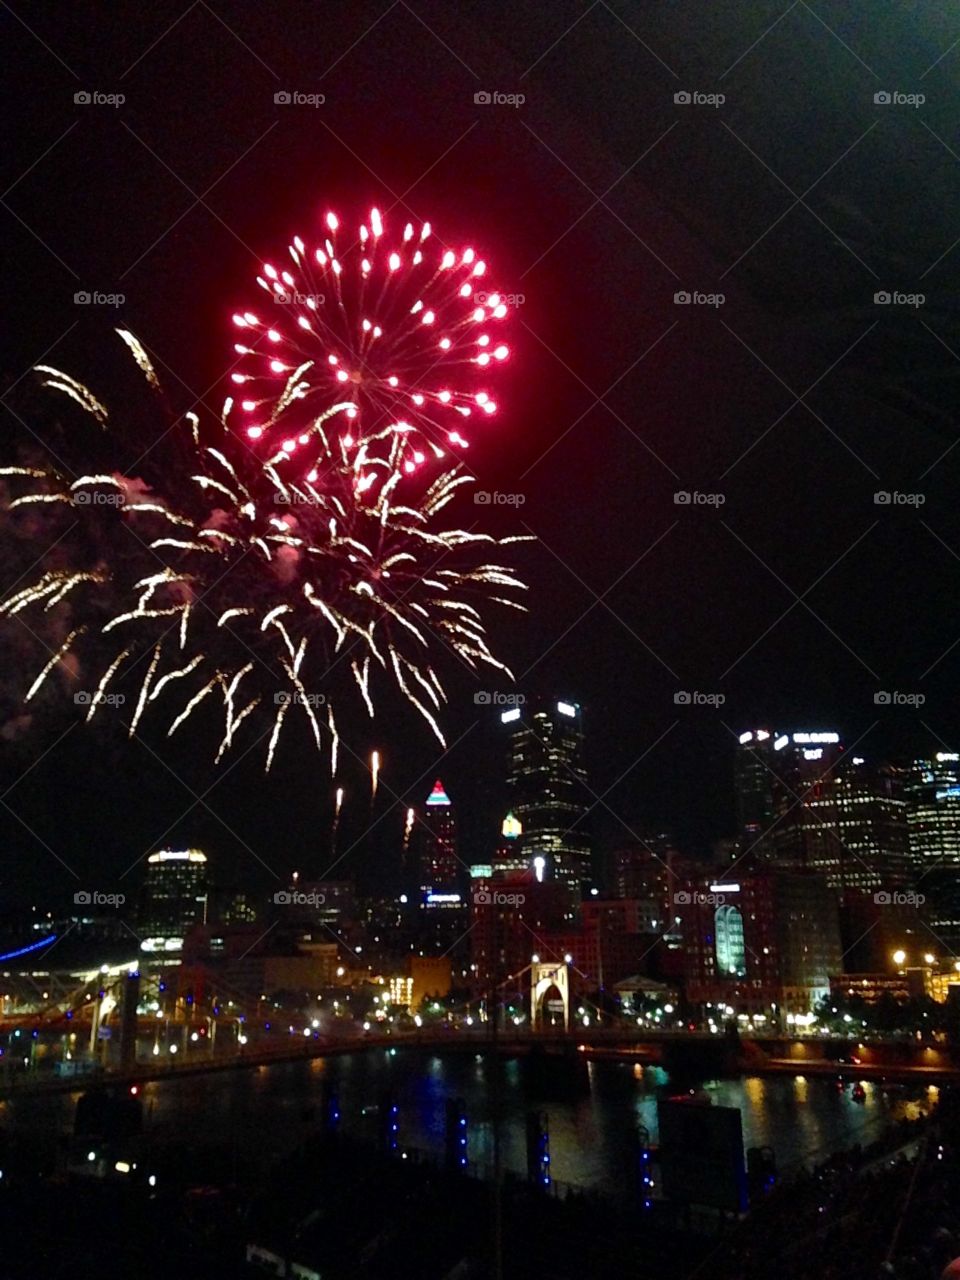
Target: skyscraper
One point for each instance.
(802, 786)
(931, 788)
(546, 783)
(805, 805)
(439, 864)
(174, 898)
(754, 777)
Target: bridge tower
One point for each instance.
(545, 978)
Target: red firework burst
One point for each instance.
(378, 351)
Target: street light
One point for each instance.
(899, 957)
(929, 958)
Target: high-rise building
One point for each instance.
(643, 869)
(806, 806)
(802, 783)
(931, 789)
(509, 858)
(439, 864)
(754, 777)
(852, 827)
(764, 944)
(174, 898)
(546, 782)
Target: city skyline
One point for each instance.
(924, 836)
(479, 555)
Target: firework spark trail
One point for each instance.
(257, 568)
(377, 353)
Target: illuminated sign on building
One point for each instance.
(512, 827)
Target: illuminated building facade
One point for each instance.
(174, 898)
(754, 777)
(932, 792)
(853, 828)
(805, 806)
(645, 870)
(546, 782)
(439, 864)
(769, 938)
(509, 859)
(802, 835)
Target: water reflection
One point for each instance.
(594, 1108)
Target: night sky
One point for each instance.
(598, 198)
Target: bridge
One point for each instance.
(112, 1025)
